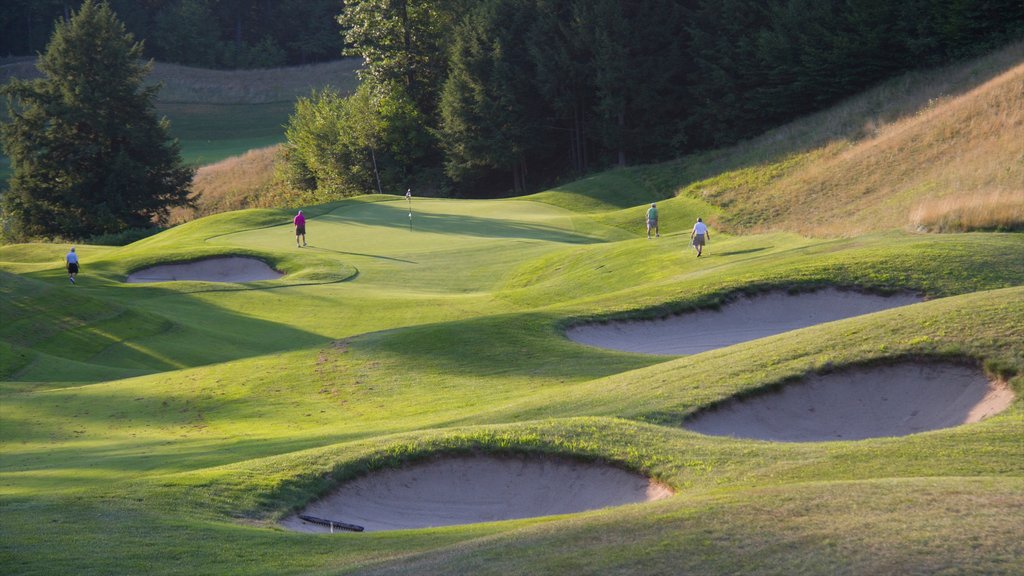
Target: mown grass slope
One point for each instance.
(165, 428)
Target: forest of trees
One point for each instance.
(510, 95)
(204, 33)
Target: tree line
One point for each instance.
(505, 96)
(204, 33)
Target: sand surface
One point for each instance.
(861, 403)
(738, 321)
(230, 269)
(466, 490)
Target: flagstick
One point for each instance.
(408, 196)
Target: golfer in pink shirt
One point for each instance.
(300, 229)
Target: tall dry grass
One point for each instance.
(1000, 211)
(233, 184)
(950, 135)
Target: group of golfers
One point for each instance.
(699, 236)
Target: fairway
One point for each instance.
(171, 427)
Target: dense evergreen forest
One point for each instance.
(512, 95)
(205, 33)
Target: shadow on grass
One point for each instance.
(518, 346)
(376, 256)
(69, 324)
(395, 216)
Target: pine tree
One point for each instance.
(88, 154)
(489, 113)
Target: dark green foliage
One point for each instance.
(761, 63)
(360, 144)
(186, 33)
(489, 117)
(540, 89)
(88, 154)
(403, 43)
(207, 33)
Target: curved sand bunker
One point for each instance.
(466, 490)
(861, 403)
(738, 321)
(230, 269)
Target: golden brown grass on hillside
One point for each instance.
(993, 211)
(884, 159)
(231, 184)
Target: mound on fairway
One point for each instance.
(862, 403)
(230, 269)
(746, 318)
(466, 490)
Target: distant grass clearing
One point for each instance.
(739, 321)
(468, 490)
(896, 400)
(232, 269)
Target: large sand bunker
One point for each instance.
(738, 321)
(230, 269)
(466, 490)
(861, 403)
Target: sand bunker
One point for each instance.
(861, 403)
(738, 321)
(466, 490)
(230, 269)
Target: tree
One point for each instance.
(364, 143)
(490, 117)
(403, 43)
(88, 154)
(186, 33)
(564, 74)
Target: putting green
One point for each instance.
(451, 245)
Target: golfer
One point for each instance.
(652, 221)
(72, 264)
(699, 236)
(300, 229)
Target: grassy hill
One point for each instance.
(166, 428)
(218, 114)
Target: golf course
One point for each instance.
(530, 385)
(170, 426)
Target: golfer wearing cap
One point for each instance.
(300, 229)
(652, 221)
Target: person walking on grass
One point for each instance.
(699, 236)
(652, 221)
(71, 260)
(300, 229)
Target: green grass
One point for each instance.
(164, 428)
(203, 129)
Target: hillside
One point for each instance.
(941, 150)
(889, 158)
(218, 114)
